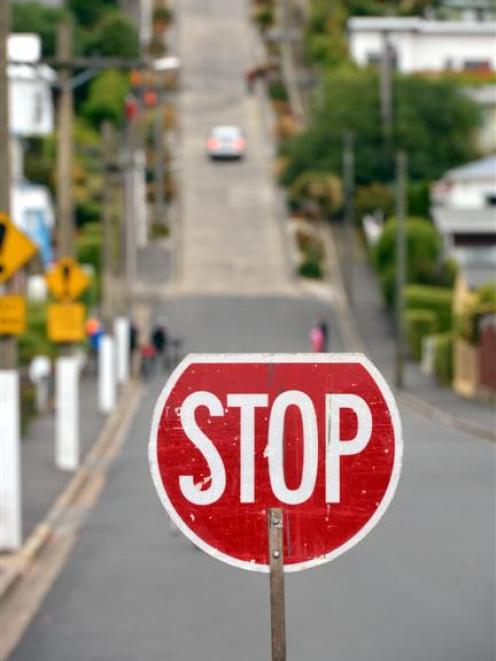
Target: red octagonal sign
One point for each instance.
(317, 435)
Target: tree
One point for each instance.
(89, 12)
(106, 98)
(114, 35)
(434, 123)
(33, 17)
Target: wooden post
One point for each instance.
(401, 212)
(65, 209)
(277, 607)
(349, 184)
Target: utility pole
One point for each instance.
(159, 160)
(108, 271)
(401, 212)
(386, 95)
(10, 405)
(349, 186)
(8, 345)
(107, 375)
(65, 210)
(67, 446)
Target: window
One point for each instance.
(477, 65)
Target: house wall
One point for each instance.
(419, 50)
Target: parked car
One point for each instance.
(225, 142)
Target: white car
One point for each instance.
(226, 142)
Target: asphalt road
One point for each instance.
(420, 587)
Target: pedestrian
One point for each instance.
(133, 348)
(324, 327)
(317, 339)
(160, 343)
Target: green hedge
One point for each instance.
(436, 299)
(443, 358)
(34, 341)
(419, 324)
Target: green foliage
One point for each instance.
(88, 211)
(419, 198)
(34, 341)
(483, 303)
(419, 324)
(162, 14)
(35, 17)
(423, 248)
(89, 12)
(374, 197)
(106, 98)
(114, 35)
(436, 299)
(39, 161)
(320, 189)
(443, 358)
(310, 269)
(264, 16)
(89, 242)
(313, 253)
(427, 113)
(277, 91)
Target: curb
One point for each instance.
(37, 540)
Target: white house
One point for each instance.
(421, 45)
(31, 114)
(464, 211)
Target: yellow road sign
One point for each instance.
(66, 322)
(12, 315)
(15, 248)
(67, 280)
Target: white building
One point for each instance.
(464, 211)
(421, 45)
(31, 115)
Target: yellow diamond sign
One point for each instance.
(15, 248)
(67, 280)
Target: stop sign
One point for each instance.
(317, 435)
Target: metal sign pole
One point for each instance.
(277, 607)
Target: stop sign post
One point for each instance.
(249, 449)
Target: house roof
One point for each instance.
(484, 168)
(422, 25)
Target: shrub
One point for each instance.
(443, 357)
(437, 299)
(277, 91)
(34, 341)
(263, 17)
(106, 98)
(310, 269)
(89, 246)
(419, 324)
(423, 251)
(374, 197)
(321, 188)
(162, 15)
(483, 302)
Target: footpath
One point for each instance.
(373, 333)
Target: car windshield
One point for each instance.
(226, 133)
